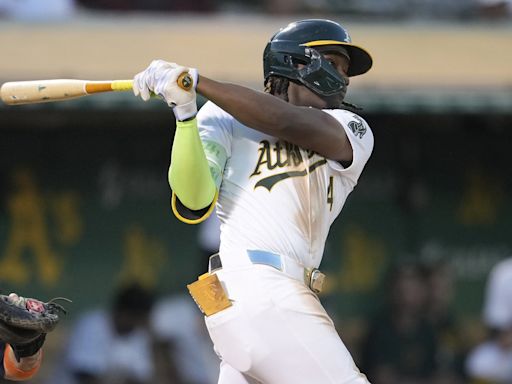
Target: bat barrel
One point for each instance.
(43, 91)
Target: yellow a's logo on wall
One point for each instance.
(29, 251)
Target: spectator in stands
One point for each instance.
(112, 345)
(184, 342)
(401, 346)
(440, 315)
(491, 361)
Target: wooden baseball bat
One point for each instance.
(44, 91)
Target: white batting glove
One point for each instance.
(167, 81)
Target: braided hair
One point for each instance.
(277, 86)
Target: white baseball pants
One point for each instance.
(277, 332)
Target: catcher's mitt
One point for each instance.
(24, 320)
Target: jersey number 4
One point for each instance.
(330, 188)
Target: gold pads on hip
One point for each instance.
(209, 294)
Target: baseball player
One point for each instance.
(279, 166)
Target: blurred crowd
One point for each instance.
(416, 337)
(358, 9)
(138, 339)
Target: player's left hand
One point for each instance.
(168, 81)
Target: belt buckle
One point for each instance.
(314, 279)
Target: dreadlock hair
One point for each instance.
(277, 86)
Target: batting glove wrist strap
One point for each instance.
(185, 111)
(188, 110)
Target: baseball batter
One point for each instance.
(279, 166)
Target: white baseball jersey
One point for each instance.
(275, 196)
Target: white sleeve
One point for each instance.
(89, 344)
(216, 132)
(498, 304)
(361, 139)
(490, 363)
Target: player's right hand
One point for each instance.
(161, 78)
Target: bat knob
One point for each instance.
(185, 81)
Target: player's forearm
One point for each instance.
(255, 109)
(189, 173)
(309, 128)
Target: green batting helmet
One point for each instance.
(296, 44)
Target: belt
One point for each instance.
(311, 277)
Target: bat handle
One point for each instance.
(108, 86)
(184, 81)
